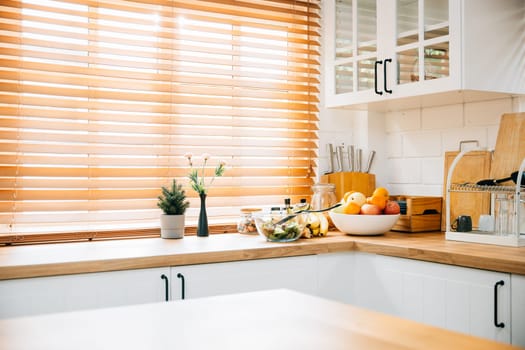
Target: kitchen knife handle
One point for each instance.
(166, 286)
(384, 75)
(359, 160)
(496, 323)
(340, 157)
(375, 77)
(351, 158)
(331, 157)
(183, 285)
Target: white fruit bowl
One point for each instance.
(363, 225)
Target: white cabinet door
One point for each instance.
(518, 309)
(297, 273)
(335, 276)
(451, 297)
(32, 296)
(385, 50)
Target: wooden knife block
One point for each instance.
(350, 181)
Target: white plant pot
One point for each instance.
(171, 226)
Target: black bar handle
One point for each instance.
(384, 75)
(166, 285)
(496, 323)
(183, 286)
(375, 77)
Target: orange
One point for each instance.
(380, 191)
(352, 208)
(346, 195)
(380, 201)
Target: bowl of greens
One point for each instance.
(269, 227)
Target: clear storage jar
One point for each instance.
(246, 223)
(323, 196)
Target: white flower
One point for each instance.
(205, 156)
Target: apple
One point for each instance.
(370, 209)
(392, 207)
(357, 198)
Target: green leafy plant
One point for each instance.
(197, 178)
(173, 201)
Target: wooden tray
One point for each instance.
(422, 214)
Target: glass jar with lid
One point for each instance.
(246, 223)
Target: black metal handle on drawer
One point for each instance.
(375, 77)
(183, 287)
(496, 323)
(384, 75)
(166, 285)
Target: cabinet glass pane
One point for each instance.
(407, 22)
(436, 61)
(436, 18)
(343, 29)
(366, 27)
(343, 78)
(408, 66)
(365, 74)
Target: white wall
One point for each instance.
(410, 144)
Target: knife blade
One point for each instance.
(370, 160)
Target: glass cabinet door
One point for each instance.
(355, 45)
(422, 40)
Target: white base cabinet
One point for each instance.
(297, 273)
(518, 309)
(335, 276)
(451, 297)
(32, 296)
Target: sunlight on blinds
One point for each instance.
(100, 100)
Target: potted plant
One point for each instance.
(174, 204)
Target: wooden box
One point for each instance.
(422, 214)
(350, 181)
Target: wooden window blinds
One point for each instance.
(100, 100)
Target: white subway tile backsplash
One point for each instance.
(432, 171)
(415, 140)
(415, 189)
(403, 121)
(486, 113)
(404, 170)
(452, 137)
(443, 117)
(394, 145)
(422, 144)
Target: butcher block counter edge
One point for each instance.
(277, 319)
(84, 257)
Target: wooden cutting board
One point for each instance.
(510, 146)
(474, 166)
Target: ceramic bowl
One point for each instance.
(364, 225)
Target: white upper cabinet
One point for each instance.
(386, 51)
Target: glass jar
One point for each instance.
(324, 196)
(246, 222)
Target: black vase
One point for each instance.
(202, 225)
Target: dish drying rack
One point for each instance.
(513, 239)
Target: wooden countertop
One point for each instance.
(69, 258)
(277, 319)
